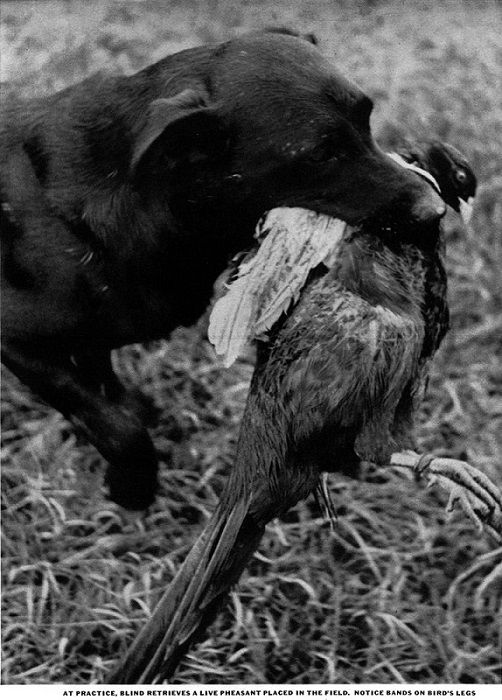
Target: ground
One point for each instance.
(399, 592)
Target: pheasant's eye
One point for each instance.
(460, 176)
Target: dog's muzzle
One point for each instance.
(430, 206)
(428, 209)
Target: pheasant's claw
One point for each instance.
(325, 502)
(468, 487)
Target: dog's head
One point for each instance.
(266, 121)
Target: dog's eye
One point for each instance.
(461, 176)
(324, 151)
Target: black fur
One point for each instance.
(124, 198)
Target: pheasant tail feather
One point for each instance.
(213, 565)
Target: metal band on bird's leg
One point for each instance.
(423, 464)
(325, 502)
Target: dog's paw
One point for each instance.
(132, 492)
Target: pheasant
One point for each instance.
(336, 382)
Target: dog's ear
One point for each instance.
(176, 125)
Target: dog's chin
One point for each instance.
(402, 229)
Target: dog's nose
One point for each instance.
(428, 208)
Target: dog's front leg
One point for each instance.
(96, 371)
(111, 427)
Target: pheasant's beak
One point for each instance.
(466, 208)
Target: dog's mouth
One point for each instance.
(391, 223)
(322, 205)
(358, 202)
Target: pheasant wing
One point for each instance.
(295, 241)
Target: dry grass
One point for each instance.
(398, 593)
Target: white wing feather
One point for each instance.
(231, 320)
(316, 240)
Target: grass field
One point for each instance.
(399, 593)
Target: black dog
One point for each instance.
(123, 199)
